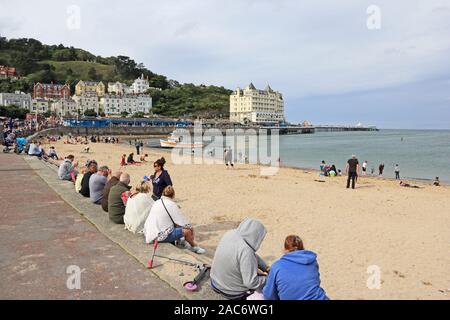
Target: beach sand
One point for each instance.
(403, 231)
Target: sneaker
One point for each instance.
(198, 250)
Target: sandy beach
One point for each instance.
(403, 231)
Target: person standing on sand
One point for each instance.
(364, 168)
(160, 179)
(381, 169)
(138, 146)
(397, 172)
(229, 157)
(352, 170)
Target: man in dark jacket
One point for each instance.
(92, 169)
(116, 205)
(112, 182)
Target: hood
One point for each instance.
(300, 257)
(253, 233)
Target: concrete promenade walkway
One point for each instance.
(41, 236)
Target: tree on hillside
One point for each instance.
(92, 74)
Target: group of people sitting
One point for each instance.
(149, 208)
(124, 160)
(329, 171)
(237, 272)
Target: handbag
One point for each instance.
(173, 222)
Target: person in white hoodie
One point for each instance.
(138, 208)
(166, 222)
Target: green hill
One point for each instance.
(37, 62)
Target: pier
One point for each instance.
(332, 128)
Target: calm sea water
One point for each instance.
(421, 154)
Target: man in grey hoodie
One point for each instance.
(235, 268)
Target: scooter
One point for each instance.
(190, 285)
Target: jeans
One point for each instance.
(397, 175)
(351, 176)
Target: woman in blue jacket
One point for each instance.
(295, 276)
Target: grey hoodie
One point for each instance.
(235, 266)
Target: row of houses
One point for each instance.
(8, 73)
(110, 104)
(89, 95)
(89, 88)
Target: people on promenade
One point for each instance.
(97, 183)
(381, 169)
(160, 179)
(91, 169)
(237, 271)
(66, 170)
(295, 276)
(166, 222)
(79, 179)
(397, 172)
(111, 182)
(352, 170)
(116, 203)
(35, 149)
(138, 208)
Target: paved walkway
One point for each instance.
(41, 236)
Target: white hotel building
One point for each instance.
(19, 99)
(256, 106)
(116, 104)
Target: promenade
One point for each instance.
(41, 236)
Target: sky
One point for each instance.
(378, 62)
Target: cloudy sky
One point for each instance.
(330, 66)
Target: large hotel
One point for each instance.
(256, 106)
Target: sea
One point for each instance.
(420, 154)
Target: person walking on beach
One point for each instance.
(137, 144)
(229, 157)
(397, 172)
(352, 170)
(381, 169)
(364, 168)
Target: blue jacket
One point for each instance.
(295, 277)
